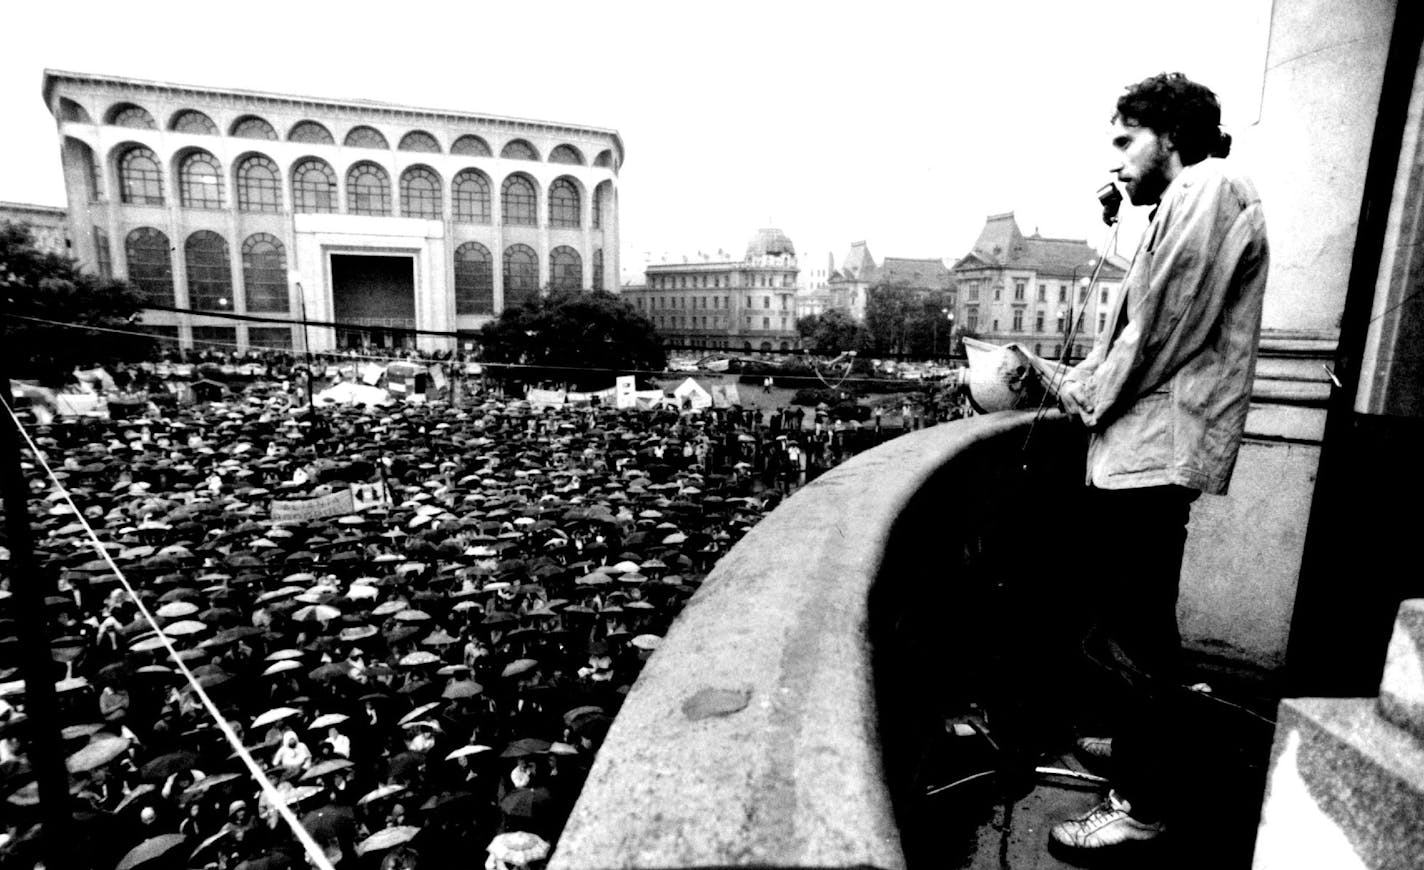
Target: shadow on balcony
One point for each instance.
(800, 712)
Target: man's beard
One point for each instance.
(1149, 187)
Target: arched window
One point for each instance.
(140, 177)
(420, 193)
(150, 265)
(518, 149)
(200, 181)
(314, 187)
(474, 279)
(72, 111)
(419, 140)
(264, 273)
(311, 132)
(600, 196)
(766, 347)
(209, 272)
(365, 137)
(565, 269)
(193, 121)
(368, 190)
(598, 269)
(604, 158)
(129, 115)
(472, 145)
(519, 202)
(259, 185)
(521, 275)
(566, 154)
(564, 203)
(253, 127)
(470, 197)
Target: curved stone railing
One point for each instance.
(773, 727)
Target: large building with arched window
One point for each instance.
(747, 305)
(390, 226)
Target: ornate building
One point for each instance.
(1030, 289)
(747, 304)
(48, 225)
(401, 225)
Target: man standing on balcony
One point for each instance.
(1164, 394)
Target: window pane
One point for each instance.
(518, 203)
(565, 269)
(258, 187)
(140, 177)
(314, 187)
(150, 266)
(200, 181)
(474, 279)
(471, 195)
(521, 275)
(563, 204)
(209, 272)
(368, 190)
(420, 193)
(264, 273)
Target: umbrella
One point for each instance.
(97, 753)
(527, 803)
(325, 768)
(577, 712)
(472, 749)
(210, 782)
(518, 848)
(165, 766)
(276, 714)
(418, 658)
(185, 627)
(175, 609)
(379, 792)
(330, 671)
(461, 689)
(418, 712)
(525, 746)
(139, 791)
(327, 720)
(279, 667)
(386, 838)
(151, 849)
(412, 616)
(316, 613)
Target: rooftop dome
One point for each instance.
(770, 241)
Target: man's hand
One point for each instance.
(1077, 397)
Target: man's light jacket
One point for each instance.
(1170, 378)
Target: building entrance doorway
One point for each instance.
(373, 297)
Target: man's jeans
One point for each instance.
(1135, 636)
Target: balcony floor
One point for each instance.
(1220, 781)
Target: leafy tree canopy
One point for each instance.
(832, 332)
(905, 320)
(595, 331)
(38, 286)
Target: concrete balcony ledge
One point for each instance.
(753, 736)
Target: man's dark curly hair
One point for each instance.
(1172, 104)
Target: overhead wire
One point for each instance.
(315, 854)
(333, 358)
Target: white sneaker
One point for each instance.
(1107, 824)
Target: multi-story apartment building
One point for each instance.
(382, 224)
(48, 224)
(706, 302)
(1033, 290)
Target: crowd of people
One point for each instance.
(423, 678)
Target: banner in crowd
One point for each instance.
(691, 394)
(356, 498)
(625, 389)
(541, 399)
(371, 374)
(302, 509)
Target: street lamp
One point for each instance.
(1068, 327)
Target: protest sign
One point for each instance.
(624, 389)
(298, 510)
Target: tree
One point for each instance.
(830, 333)
(593, 334)
(40, 290)
(907, 321)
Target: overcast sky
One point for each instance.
(902, 124)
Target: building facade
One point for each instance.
(1033, 290)
(746, 305)
(385, 225)
(48, 224)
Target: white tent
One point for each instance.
(351, 393)
(690, 390)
